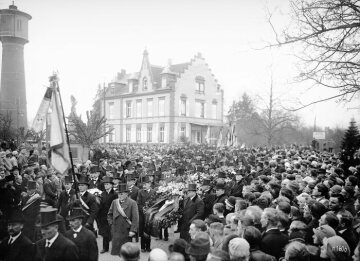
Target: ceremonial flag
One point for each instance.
(40, 117)
(60, 159)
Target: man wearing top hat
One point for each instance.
(95, 181)
(66, 197)
(16, 247)
(88, 203)
(123, 217)
(133, 189)
(236, 189)
(220, 192)
(145, 194)
(193, 209)
(106, 199)
(208, 197)
(54, 246)
(30, 208)
(83, 238)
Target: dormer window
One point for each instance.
(200, 84)
(145, 84)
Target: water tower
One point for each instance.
(13, 35)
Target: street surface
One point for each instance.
(143, 256)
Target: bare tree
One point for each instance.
(272, 119)
(6, 129)
(328, 32)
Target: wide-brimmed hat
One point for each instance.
(122, 187)
(221, 175)
(206, 182)
(83, 180)
(200, 246)
(76, 213)
(48, 217)
(68, 179)
(16, 216)
(31, 184)
(192, 187)
(107, 180)
(220, 185)
(94, 169)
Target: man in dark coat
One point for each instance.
(88, 202)
(208, 197)
(273, 241)
(66, 197)
(30, 210)
(123, 217)
(193, 209)
(106, 199)
(54, 246)
(16, 247)
(345, 229)
(220, 192)
(83, 238)
(95, 181)
(133, 189)
(236, 189)
(50, 190)
(144, 196)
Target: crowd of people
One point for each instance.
(228, 203)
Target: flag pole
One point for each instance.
(54, 80)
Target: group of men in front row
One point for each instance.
(41, 232)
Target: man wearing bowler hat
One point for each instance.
(16, 247)
(83, 238)
(123, 217)
(88, 203)
(193, 209)
(30, 208)
(133, 189)
(144, 196)
(106, 199)
(54, 246)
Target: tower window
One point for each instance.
(18, 25)
(145, 84)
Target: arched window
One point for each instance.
(145, 83)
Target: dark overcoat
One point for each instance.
(133, 193)
(86, 243)
(120, 228)
(30, 210)
(105, 202)
(143, 197)
(22, 249)
(273, 243)
(221, 199)
(64, 202)
(90, 201)
(63, 249)
(209, 199)
(193, 209)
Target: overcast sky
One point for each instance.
(89, 41)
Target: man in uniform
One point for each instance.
(106, 199)
(54, 246)
(123, 217)
(88, 202)
(83, 238)
(16, 247)
(193, 209)
(144, 195)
